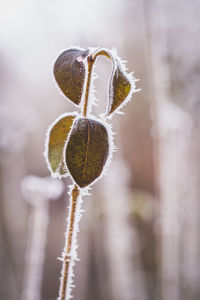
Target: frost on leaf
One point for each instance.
(69, 72)
(120, 87)
(86, 151)
(56, 141)
(120, 82)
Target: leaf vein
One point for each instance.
(87, 148)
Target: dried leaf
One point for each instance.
(56, 141)
(120, 87)
(87, 150)
(69, 72)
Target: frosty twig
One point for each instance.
(68, 258)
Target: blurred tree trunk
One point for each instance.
(8, 283)
(171, 132)
(11, 233)
(190, 217)
(178, 179)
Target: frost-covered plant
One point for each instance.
(79, 144)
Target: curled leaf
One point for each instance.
(120, 81)
(69, 72)
(120, 87)
(86, 151)
(56, 140)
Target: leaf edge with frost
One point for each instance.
(61, 170)
(117, 63)
(76, 99)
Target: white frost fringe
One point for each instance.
(74, 245)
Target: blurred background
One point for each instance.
(140, 233)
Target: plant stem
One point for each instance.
(71, 230)
(67, 255)
(91, 61)
(90, 65)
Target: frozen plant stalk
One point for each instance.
(79, 144)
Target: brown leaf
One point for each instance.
(56, 141)
(69, 72)
(120, 87)
(86, 151)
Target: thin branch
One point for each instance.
(91, 61)
(90, 65)
(67, 255)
